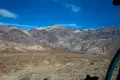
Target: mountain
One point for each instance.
(93, 41)
(17, 36)
(107, 32)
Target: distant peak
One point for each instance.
(110, 26)
(114, 26)
(12, 27)
(77, 31)
(56, 26)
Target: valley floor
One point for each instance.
(51, 66)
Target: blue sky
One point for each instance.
(72, 13)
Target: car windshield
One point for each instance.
(59, 39)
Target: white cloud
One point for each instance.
(74, 26)
(69, 25)
(18, 25)
(7, 14)
(73, 7)
(26, 26)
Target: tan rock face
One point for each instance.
(95, 50)
(36, 47)
(13, 47)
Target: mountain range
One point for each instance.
(103, 40)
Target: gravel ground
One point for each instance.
(52, 66)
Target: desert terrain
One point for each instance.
(52, 66)
(56, 52)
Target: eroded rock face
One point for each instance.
(96, 50)
(96, 41)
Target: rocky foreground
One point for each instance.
(52, 66)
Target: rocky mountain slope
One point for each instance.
(95, 41)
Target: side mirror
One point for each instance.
(116, 2)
